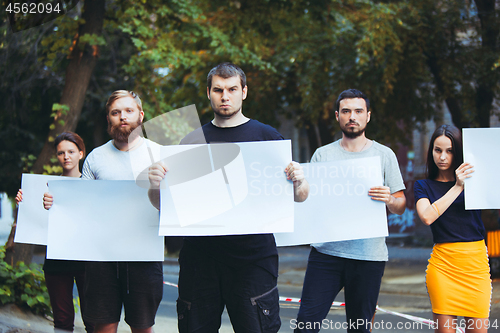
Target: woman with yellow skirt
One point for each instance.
(458, 275)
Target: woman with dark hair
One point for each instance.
(458, 279)
(61, 274)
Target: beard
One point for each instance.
(123, 135)
(352, 134)
(225, 115)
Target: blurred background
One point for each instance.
(422, 63)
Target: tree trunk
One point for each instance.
(83, 59)
(451, 101)
(78, 73)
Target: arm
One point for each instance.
(396, 202)
(156, 174)
(295, 173)
(86, 169)
(428, 213)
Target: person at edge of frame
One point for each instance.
(458, 274)
(238, 272)
(61, 275)
(137, 286)
(355, 265)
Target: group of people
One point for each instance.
(239, 272)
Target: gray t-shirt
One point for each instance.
(373, 249)
(106, 162)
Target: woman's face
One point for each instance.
(68, 155)
(443, 153)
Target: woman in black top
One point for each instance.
(458, 280)
(61, 274)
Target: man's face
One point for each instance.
(352, 117)
(124, 116)
(226, 96)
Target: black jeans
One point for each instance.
(325, 276)
(60, 288)
(249, 293)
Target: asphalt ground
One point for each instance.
(403, 291)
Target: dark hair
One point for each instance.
(226, 70)
(455, 136)
(71, 137)
(352, 93)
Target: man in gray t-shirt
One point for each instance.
(355, 265)
(136, 286)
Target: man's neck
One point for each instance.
(126, 146)
(236, 120)
(357, 144)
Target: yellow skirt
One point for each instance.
(458, 279)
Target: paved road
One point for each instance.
(403, 290)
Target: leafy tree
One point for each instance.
(460, 43)
(408, 56)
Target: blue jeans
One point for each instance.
(325, 276)
(206, 285)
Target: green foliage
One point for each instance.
(91, 39)
(410, 57)
(52, 169)
(56, 107)
(56, 46)
(24, 286)
(28, 162)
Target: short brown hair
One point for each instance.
(226, 70)
(120, 94)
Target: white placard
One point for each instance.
(227, 189)
(103, 220)
(32, 218)
(338, 207)
(482, 150)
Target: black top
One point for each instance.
(237, 250)
(455, 224)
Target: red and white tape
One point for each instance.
(170, 284)
(429, 322)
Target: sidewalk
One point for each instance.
(403, 290)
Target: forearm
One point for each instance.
(301, 192)
(397, 205)
(154, 197)
(431, 211)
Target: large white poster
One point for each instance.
(227, 189)
(32, 218)
(338, 206)
(482, 150)
(103, 220)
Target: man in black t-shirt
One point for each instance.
(239, 271)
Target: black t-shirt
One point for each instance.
(237, 250)
(455, 224)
